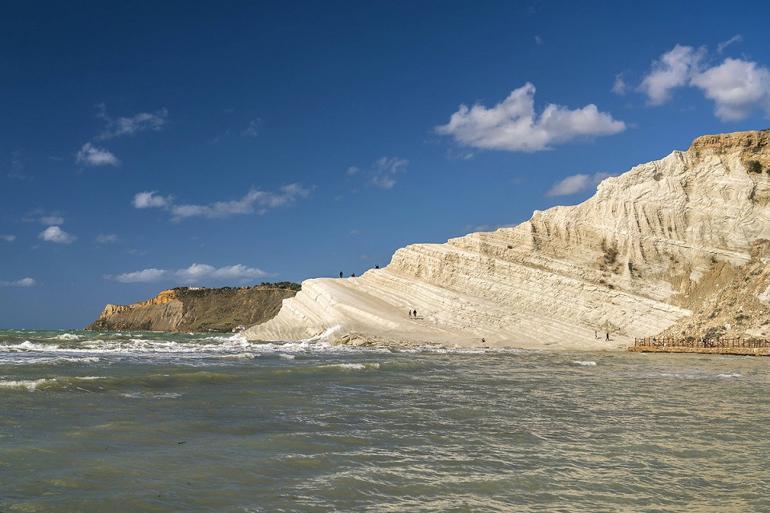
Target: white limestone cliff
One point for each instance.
(626, 260)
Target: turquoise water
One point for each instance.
(140, 422)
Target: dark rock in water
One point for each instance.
(198, 309)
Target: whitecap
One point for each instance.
(66, 336)
(730, 375)
(24, 384)
(239, 356)
(151, 395)
(585, 363)
(352, 366)
(28, 346)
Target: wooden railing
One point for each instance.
(661, 342)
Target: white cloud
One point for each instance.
(140, 122)
(352, 171)
(737, 38)
(254, 201)
(106, 238)
(513, 125)
(149, 199)
(538, 41)
(143, 276)
(386, 169)
(576, 183)
(196, 273)
(56, 234)
(737, 87)
(231, 272)
(619, 86)
(7, 238)
(672, 70)
(24, 282)
(91, 155)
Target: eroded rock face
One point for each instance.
(629, 261)
(197, 309)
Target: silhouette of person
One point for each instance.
(340, 274)
(608, 336)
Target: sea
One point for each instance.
(148, 422)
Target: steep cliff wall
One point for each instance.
(197, 309)
(629, 261)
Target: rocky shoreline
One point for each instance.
(194, 309)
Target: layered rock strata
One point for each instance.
(634, 260)
(197, 309)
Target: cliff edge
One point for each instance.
(198, 309)
(651, 247)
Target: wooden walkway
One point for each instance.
(731, 346)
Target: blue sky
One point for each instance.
(147, 145)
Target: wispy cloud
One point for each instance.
(42, 216)
(150, 199)
(130, 125)
(23, 282)
(106, 238)
(619, 85)
(16, 167)
(255, 201)
(737, 87)
(51, 219)
(7, 238)
(195, 273)
(576, 183)
(737, 38)
(95, 156)
(513, 124)
(383, 173)
(252, 129)
(57, 235)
